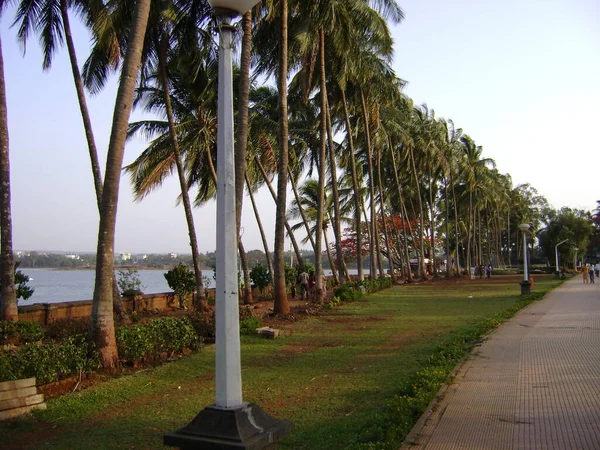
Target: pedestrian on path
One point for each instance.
(591, 270)
(585, 271)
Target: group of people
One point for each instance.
(590, 271)
(481, 270)
(307, 283)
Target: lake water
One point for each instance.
(52, 286)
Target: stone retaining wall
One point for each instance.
(19, 397)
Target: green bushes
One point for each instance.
(19, 332)
(346, 293)
(248, 323)
(48, 361)
(147, 341)
(62, 328)
(204, 325)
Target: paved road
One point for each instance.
(534, 384)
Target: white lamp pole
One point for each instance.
(556, 254)
(229, 423)
(525, 285)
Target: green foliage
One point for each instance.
(308, 267)
(49, 361)
(182, 280)
(62, 328)
(374, 285)
(204, 325)
(248, 323)
(347, 293)
(291, 274)
(260, 277)
(168, 334)
(129, 282)
(23, 291)
(19, 332)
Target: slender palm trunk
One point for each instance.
(89, 136)
(102, 330)
(355, 188)
(431, 223)
(8, 297)
(422, 271)
(337, 217)
(285, 221)
(200, 297)
(448, 259)
(322, 174)
(261, 230)
(301, 209)
(456, 233)
(374, 232)
(384, 221)
(241, 145)
(404, 214)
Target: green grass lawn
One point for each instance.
(356, 376)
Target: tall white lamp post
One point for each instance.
(557, 273)
(575, 259)
(229, 423)
(525, 285)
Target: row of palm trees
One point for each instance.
(336, 128)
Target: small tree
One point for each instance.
(182, 280)
(260, 277)
(129, 282)
(23, 291)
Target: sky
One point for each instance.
(520, 77)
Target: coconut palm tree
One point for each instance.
(8, 299)
(50, 18)
(101, 321)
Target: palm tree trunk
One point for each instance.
(432, 224)
(241, 145)
(261, 230)
(404, 214)
(89, 136)
(322, 174)
(384, 221)
(456, 233)
(8, 296)
(301, 209)
(281, 305)
(422, 271)
(355, 188)
(448, 259)
(200, 297)
(374, 232)
(285, 221)
(337, 217)
(102, 330)
(381, 208)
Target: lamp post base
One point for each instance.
(247, 427)
(525, 287)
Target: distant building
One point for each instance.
(125, 256)
(73, 256)
(173, 255)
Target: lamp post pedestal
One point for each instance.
(215, 428)
(525, 287)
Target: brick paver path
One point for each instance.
(534, 384)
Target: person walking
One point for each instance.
(585, 271)
(591, 271)
(597, 268)
(303, 281)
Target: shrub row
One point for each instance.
(18, 333)
(166, 335)
(48, 361)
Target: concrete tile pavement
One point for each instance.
(533, 384)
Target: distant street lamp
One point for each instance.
(525, 285)
(557, 273)
(229, 423)
(575, 260)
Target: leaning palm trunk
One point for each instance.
(374, 232)
(383, 218)
(285, 222)
(457, 236)
(404, 214)
(102, 330)
(200, 297)
(432, 225)
(422, 271)
(355, 188)
(8, 297)
(89, 136)
(301, 209)
(337, 217)
(241, 145)
(336, 280)
(261, 230)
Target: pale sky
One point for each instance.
(520, 77)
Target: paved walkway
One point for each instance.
(534, 384)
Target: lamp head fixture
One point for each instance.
(524, 227)
(235, 6)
